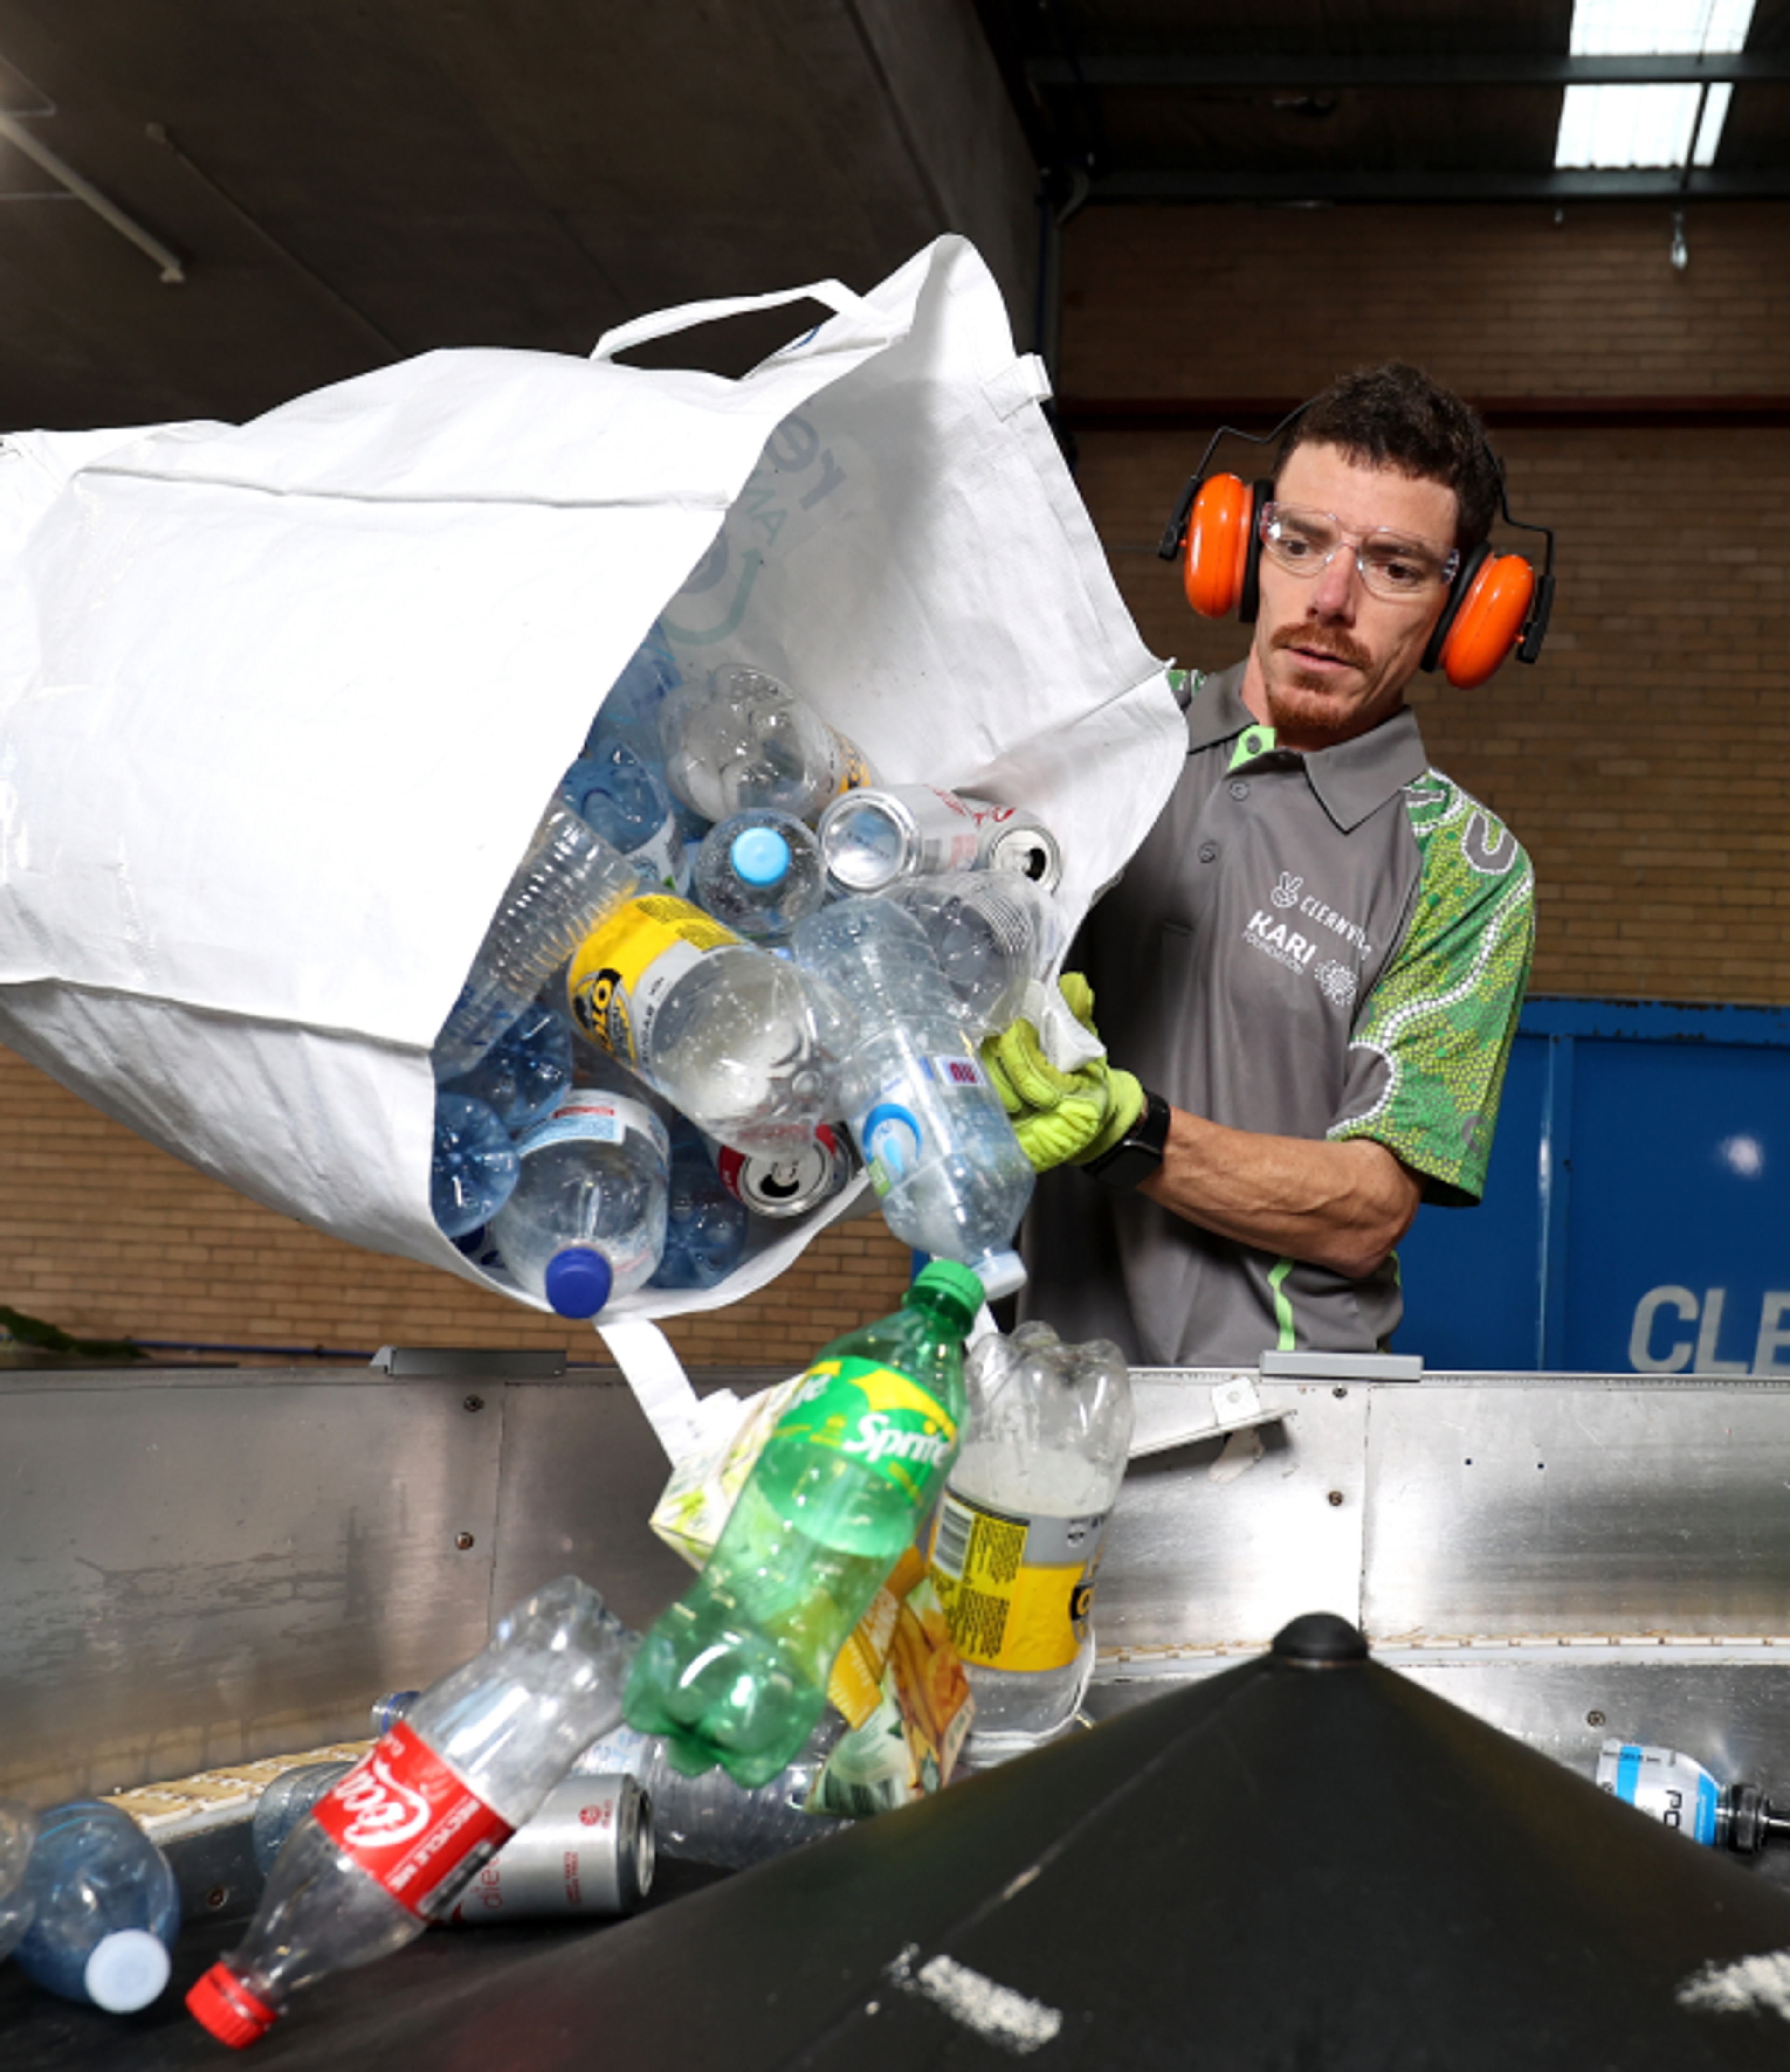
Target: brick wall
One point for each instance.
(1637, 761)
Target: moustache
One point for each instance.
(1337, 645)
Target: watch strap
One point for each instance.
(1138, 1153)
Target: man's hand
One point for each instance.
(1060, 1117)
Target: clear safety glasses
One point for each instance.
(1392, 565)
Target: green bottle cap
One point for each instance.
(957, 1287)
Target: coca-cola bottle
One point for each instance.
(388, 1847)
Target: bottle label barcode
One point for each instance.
(1017, 1590)
(952, 1542)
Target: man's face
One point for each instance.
(1330, 660)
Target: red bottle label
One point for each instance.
(408, 1821)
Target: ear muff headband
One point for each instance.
(1483, 618)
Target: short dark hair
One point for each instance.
(1394, 416)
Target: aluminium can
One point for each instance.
(587, 1850)
(787, 1187)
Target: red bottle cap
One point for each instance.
(221, 2003)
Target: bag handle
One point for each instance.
(681, 1420)
(664, 323)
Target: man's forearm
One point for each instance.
(1341, 1206)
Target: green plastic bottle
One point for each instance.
(736, 1671)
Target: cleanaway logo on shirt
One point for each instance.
(1295, 924)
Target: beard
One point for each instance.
(1304, 702)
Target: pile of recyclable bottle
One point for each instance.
(729, 968)
(543, 1777)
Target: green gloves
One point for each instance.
(1061, 1118)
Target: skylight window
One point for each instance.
(1674, 125)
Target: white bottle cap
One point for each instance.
(127, 1971)
(1000, 1273)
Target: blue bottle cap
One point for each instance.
(761, 856)
(578, 1281)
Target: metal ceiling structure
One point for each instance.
(1317, 101)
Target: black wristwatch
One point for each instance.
(1138, 1153)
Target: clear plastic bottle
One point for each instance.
(736, 1671)
(1678, 1792)
(569, 880)
(760, 872)
(940, 1151)
(706, 1223)
(473, 1168)
(525, 1072)
(18, 1832)
(711, 1819)
(105, 1909)
(992, 931)
(745, 738)
(624, 799)
(737, 1037)
(1019, 1531)
(284, 1803)
(586, 1220)
(390, 1846)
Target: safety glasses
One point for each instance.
(1391, 564)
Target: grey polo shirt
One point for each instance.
(1330, 944)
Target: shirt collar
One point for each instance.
(1351, 780)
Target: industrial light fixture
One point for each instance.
(1676, 124)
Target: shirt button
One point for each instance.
(1208, 851)
(1239, 790)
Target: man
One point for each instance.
(1314, 963)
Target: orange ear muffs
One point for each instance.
(1221, 547)
(1483, 619)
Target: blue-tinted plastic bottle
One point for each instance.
(18, 1832)
(525, 1072)
(623, 797)
(105, 1909)
(475, 1167)
(706, 1223)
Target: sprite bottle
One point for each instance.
(736, 1671)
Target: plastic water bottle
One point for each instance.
(940, 1152)
(473, 1168)
(586, 1221)
(525, 1072)
(284, 1803)
(992, 931)
(17, 1832)
(1019, 1531)
(1678, 1791)
(745, 738)
(569, 880)
(105, 1909)
(614, 791)
(736, 1037)
(630, 708)
(706, 1223)
(711, 1819)
(760, 872)
(391, 1846)
(736, 1671)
